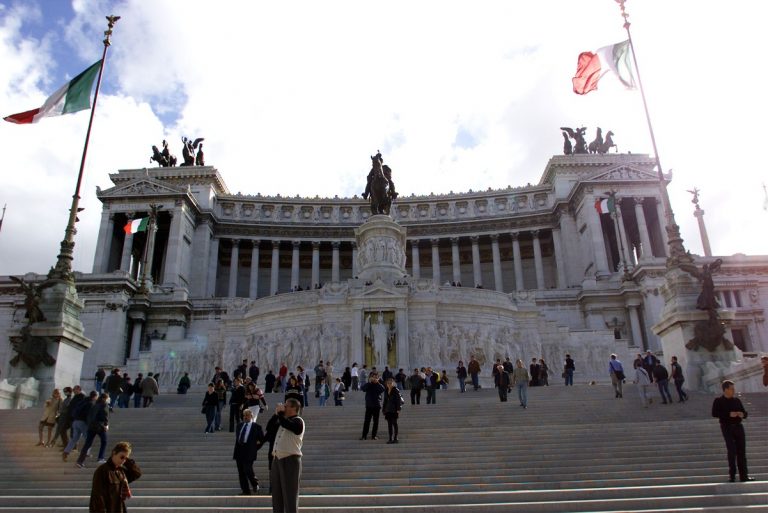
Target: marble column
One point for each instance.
(624, 263)
(476, 274)
(559, 262)
(415, 266)
(151, 236)
(315, 263)
(253, 286)
(234, 267)
(125, 258)
(634, 322)
(335, 261)
(498, 282)
(104, 242)
(518, 263)
(662, 225)
(625, 240)
(275, 274)
(435, 261)
(354, 258)
(136, 338)
(213, 267)
(295, 265)
(645, 240)
(455, 261)
(173, 247)
(596, 234)
(537, 260)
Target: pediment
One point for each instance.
(142, 187)
(623, 173)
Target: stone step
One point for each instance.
(576, 449)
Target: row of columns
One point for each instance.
(253, 285)
(497, 274)
(622, 240)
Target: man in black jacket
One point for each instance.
(98, 424)
(373, 396)
(661, 377)
(253, 372)
(731, 412)
(78, 413)
(236, 400)
(249, 440)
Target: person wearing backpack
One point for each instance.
(393, 403)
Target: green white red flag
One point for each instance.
(614, 59)
(137, 225)
(605, 206)
(73, 96)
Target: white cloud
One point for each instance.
(292, 98)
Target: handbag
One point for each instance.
(619, 375)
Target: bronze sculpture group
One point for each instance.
(192, 153)
(30, 349)
(580, 146)
(707, 334)
(380, 186)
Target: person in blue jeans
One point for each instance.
(521, 378)
(661, 377)
(98, 424)
(461, 375)
(570, 367)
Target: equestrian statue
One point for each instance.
(380, 186)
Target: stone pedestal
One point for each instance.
(676, 329)
(381, 250)
(66, 340)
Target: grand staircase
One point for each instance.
(574, 449)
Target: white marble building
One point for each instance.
(541, 274)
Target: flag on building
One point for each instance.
(72, 97)
(605, 206)
(137, 225)
(614, 59)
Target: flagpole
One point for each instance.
(63, 269)
(3, 218)
(677, 252)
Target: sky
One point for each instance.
(293, 97)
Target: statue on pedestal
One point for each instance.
(164, 158)
(380, 186)
(710, 333)
(31, 350)
(188, 152)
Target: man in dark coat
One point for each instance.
(534, 368)
(373, 397)
(729, 410)
(253, 372)
(503, 382)
(248, 441)
(236, 400)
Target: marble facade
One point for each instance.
(288, 279)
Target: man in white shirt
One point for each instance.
(286, 465)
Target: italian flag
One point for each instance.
(72, 97)
(137, 225)
(605, 206)
(593, 66)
